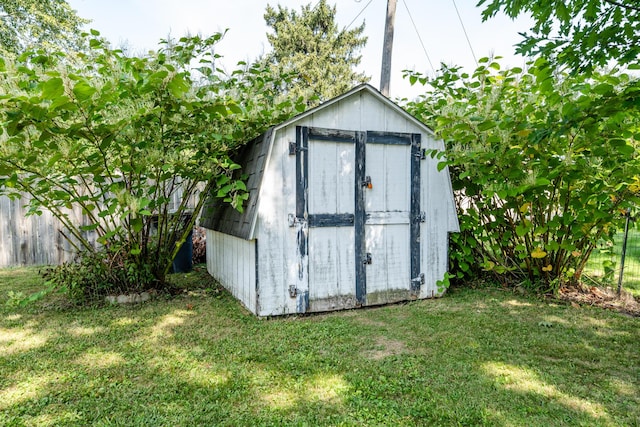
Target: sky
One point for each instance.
(427, 32)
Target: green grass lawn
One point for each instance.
(475, 357)
(604, 263)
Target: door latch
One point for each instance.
(293, 291)
(367, 182)
(367, 258)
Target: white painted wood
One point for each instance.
(388, 199)
(372, 113)
(331, 177)
(332, 262)
(390, 259)
(331, 191)
(382, 218)
(277, 260)
(441, 219)
(389, 167)
(230, 261)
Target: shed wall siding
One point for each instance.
(277, 241)
(232, 262)
(438, 206)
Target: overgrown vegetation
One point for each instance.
(476, 357)
(123, 150)
(48, 24)
(543, 166)
(583, 35)
(604, 264)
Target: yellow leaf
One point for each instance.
(576, 254)
(488, 266)
(538, 253)
(634, 187)
(524, 133)
(525, 208)
(547, 268)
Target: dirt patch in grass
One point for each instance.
(386, 347)
(370, 322)
(601, 297)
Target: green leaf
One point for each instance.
(234, 108)
(178, 86)
(90, 227)
(485, 126)
(603, 89)
(83, 91)
(217, 109)
(137, 224)
(562, 11)
(53, 88)
(522, 229)
(622, 147)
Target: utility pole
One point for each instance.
(387, 47)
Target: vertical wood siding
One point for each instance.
(232, 262)
(31, 240)
(278, 261)
(37, 239)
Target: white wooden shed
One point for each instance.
(344, 211)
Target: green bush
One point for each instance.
(542, 166)
(106, 272)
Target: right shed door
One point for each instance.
(392, 217)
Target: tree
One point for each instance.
(581, 34)
(120, 138)
(543, 166)
(49, 24)
(309, 46)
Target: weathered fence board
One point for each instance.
(38, 239)
(30, 240)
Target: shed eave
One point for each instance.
(360, 88)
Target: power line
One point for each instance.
(419, 38)
(359, 13)
(464, 30)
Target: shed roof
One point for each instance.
(222, 217)
(252, 158)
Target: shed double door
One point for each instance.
(358, 205)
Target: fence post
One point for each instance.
(624, 249)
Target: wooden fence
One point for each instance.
(31, 240)
(37, 239)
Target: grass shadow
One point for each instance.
(475, 357)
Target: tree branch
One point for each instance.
(624, 6)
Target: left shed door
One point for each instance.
(327, 194)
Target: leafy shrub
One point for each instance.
(134, 143)
(106, 272)
(543, 165)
